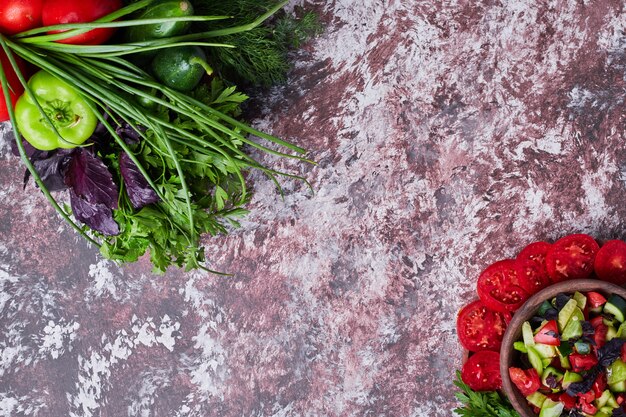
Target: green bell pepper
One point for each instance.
(69, 112)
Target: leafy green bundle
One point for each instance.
(160, 179)
(481, 404)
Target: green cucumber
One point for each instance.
(545, 351)
(566, 312)
(520, 346)
(611, 333)
(565, 362)
(573, 330)
(536, 398)
(581, 300)
(551, 408)
(181, 67)
(605, 399)
(160, 10)
(616, 306)
(621, 331)
(616, 372)
(618, 387)
(527, 334)
(582, 347)
(549, 370)
(569, 378)
(535, 360)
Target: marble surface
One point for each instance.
(448, 135)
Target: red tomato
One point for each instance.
(548, 334)
(481, 372)
(19, 15)
(610, 263)
(14, 83)
(498, 287)
(587, 397)
(587, 407)
(623, 353)
(599, 385)
(571, 257)
(595, 299)
(527, 381)
(600, 335)
(568, 401)
(480, 328)
(531, 267)
(582, 362)
(57, 12)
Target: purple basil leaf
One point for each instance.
(30, 150)
(608, 353)
(618, 412)
(97, 216)
(584, 385)
(90, 179)
(551, 381)
(139, 191)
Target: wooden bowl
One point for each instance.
(510, 357)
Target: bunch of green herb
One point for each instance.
(481, 404)
(259, 56)
(190, 153)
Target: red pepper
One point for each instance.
(568, 401)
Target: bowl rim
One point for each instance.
(526, 311)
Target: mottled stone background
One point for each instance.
(449, 134)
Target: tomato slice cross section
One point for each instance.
(610, 262)
(480, 328)
(481, 372)
(531, 267)
(499, 288)
(571, 257)
(548, 334)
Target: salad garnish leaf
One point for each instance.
(608, 353)
(481, 404)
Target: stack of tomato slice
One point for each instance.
(505, 285)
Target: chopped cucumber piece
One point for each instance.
(616, 372)
(545, 306)
(600, 413)
(536, 399)
(581, 300)
(566, 312)
(549, 370)
(616, 306)
(551, 408)
(603, 399)
(527, 334)
(611, 333)
(565, 362)
(573, 330)
(610, 321)
(621, 331)
(545, 351)
(570, 377)
(618, 387)
(582, 347)
(520, 346)
(607, 409)
(535, 360)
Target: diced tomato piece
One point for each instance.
(596, 321)
(587, 397)
(620, 398)
(600, 335)
(623, 353)
(548, 334)
(599, 385)
(527, 381)
(595, 299)
(568, 401)
(536, 409)
(582, 362)
(587, 407)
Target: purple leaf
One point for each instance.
(139, 191)
(90, 179)
(51, 167)
(97, 216)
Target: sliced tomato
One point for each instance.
(600, 335)
(548, 334)
(480, 328)
(587, 397)
(582, 362)
(481, 372)
(623, 353)
(610, 262)
(526, 380)
(499, 288)
(571, 257)
(531, 267)
(587, 407)
(595, 299)
(568, 401)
